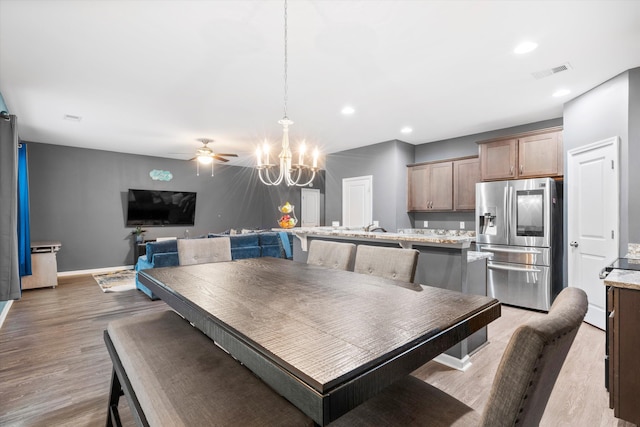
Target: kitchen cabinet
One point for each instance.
(443, 186)
(466, 173)
(623, 338)
(430, 187)
(527, 155)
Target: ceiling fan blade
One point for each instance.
(226, 155)
(193, 158)
(222, 159)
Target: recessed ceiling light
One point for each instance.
(525, 47)
(348, 110)
(561, 92)
(406, 129)
(72, 118)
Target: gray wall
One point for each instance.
(601, 113)
(634, 153)
(78, 196)
(386, 162)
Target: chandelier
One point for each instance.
(287, 171)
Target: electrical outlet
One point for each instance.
(376, 224)
(461, 225)
(426, 224)
(335, 223)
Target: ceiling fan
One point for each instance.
(205, 155)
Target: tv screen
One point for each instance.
(160, 208)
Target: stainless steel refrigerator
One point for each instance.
(520, 222)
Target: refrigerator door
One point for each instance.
(532, 202)
(521, 285)
(492, 214)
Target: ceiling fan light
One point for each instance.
(205, 160)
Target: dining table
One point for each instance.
(327, 340)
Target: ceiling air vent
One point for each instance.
(551, 71)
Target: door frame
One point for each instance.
(593, 317)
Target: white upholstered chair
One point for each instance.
(390, 263)
(336, 255)
(200, 251)
(521, 388)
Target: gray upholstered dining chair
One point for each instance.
(336, 255)
(390, 263)
(521, 388)
(200, 251)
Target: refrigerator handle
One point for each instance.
(507, 211)
(512, 268)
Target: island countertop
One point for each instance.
(623, 279)
(405, 240)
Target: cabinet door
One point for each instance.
(540, 155)
(441, 186)
(466, 173)
(417, 188)
(498, 159)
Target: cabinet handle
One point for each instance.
(521, 168)
(511, 170)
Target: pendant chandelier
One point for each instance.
(292, 174)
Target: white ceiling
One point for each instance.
(150, 77)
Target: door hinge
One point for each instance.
(612, 165)
(612, 234)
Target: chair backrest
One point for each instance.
(336, 255)
(390, 263)
(531, 363)
(200, 251)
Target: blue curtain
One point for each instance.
(24, 234)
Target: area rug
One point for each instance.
(116, 281)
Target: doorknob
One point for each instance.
(574, 244)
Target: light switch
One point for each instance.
(426, 224)
(461, 225)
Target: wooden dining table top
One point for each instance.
(325, 339)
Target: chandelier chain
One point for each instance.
(285, 59)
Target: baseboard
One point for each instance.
(453, 362)
(95, 271)
(5, 311)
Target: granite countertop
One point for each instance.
(629, 279)
(403, 237)
(477, 256)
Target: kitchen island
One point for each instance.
(445, 261)
(623, 342)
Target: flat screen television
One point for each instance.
(154, 208)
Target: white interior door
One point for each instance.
(593, 220)
(310, 214)
(357, 203)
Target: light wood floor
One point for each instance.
(55, 369)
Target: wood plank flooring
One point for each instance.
(55, 369)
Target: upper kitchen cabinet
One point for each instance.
(466, 173)
(527, 155)
(430, 187)
(443, 186)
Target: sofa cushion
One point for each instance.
(269, 238)
(247, 252)
(244, 240)
(160, 247)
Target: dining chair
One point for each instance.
(200, 251)
(521, 388)
(335, 255)
(390, 263)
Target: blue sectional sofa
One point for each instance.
(248, 245)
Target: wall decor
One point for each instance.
(158, 175)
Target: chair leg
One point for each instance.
(113, 416)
